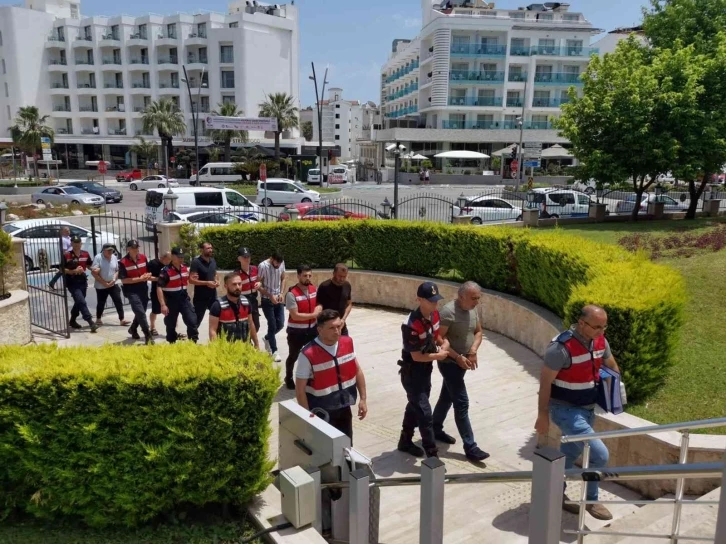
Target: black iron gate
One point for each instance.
(46, 287)
(426, 207)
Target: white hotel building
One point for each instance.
(96, 75)
(475, 68)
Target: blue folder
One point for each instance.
(609, 396)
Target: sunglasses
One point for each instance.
(598, 328)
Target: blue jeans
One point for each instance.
(275, 316)
(453, 391)
(575, 420)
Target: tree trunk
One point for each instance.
(695, 194)
(277, 146)
(639, 189)
(227, 149)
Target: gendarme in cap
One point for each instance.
(429, 291)
(76, 240)
(178, 252)
(132, 243)
(243, 252)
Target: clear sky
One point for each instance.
(353, 37)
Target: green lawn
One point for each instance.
(695, 386)
(210, 531)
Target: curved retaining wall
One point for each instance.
(15, 319)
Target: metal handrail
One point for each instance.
(646, 472)
(652, 429)
(678, 502)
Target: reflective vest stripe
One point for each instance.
(574, 386)
(135, 269)
(305, 305)
(329, 390)
(331, 363)
(248, 280)
(178, 279)
(227, 313)
(82, 258)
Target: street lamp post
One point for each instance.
(521, 135)
(195, 118)
(395, 148)
(319, 105)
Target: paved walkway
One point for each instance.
(503, 406)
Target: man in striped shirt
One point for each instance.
(271, 275)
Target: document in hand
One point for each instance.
(609, 391)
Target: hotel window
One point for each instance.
(227, 79)
(226, 53)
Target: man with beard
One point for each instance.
(301, 302)
(230, 315)
(203, 276)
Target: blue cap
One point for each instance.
(429, 291)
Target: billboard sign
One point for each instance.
(217, 122)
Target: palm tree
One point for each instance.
(146, 150)
(164, 116)
(226, 136)
(213, 153)
(28, 129)
(282, 107)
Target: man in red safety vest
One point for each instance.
(135, 276)
(250, 283)
(301, 302)
(230, 315)
(76, 262)
(568, 393)
(174, 297)
(328, 377)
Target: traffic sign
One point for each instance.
(172, 160)
(532, 145)
(263, 172)
(45, 146)
(532, 164)
(102, 167)
(530, 183)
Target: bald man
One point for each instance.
(568, 393)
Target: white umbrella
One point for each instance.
(418, 157)
(461, 155)
(556, 152)
(504, 151)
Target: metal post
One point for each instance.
(166, 160)
(680, 484)
(195, 118)
(721, 515)
(314, 473)
(396, 166)
(15, 172)
(583, 495)
(433, 474)
(359, 507)
(521, 136)
(545, 512)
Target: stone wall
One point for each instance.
(15, 319)
(15, 271)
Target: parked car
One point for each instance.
(66, 195)
(156, 181)
(213, 219)
(320, 212)
(199, 199)
(561, 202)
(338, 174)
(314, 176)
(490, 208)
(279, 191)
(44, 234)
(129, 175)
(670, 204)
(111, 195)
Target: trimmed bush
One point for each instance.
(119, 435)
(561, 272)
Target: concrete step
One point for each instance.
(657, 518)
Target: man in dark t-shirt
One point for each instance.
(203, 276)
(335, 294)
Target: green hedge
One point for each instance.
(119, 435)
(561, 272)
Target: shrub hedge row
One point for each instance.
(119, 435)
(561, 272)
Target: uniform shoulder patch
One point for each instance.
(563, 337)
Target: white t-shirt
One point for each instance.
(303, 368)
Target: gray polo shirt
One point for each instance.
(557, 357)
(461, 326)
(109, 268)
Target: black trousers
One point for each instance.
(254, 310)
(139, 302)
(416, 380)
(78, 293)
(343, 421)
(102, 296)
(295, 342)
(180, 305)
(201, 305)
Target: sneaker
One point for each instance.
(406, 445)
(267, 346)
(598, 511)
(276, 357)
(476, 454)
(432, 453)
(571, 508)
(134, 334)
(441, 436)
(74, 324)
(93, 326)
(289, 384)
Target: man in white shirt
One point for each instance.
(66, 242)
(105, 271)
(271, 277)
